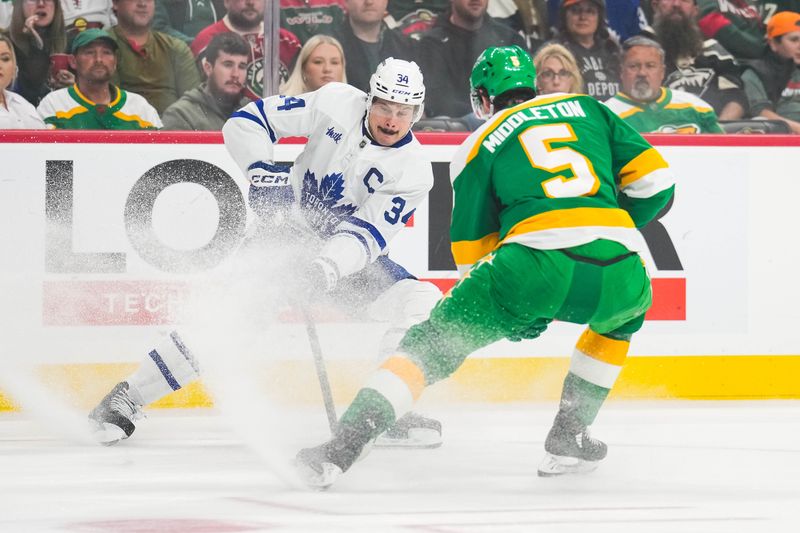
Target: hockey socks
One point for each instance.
(166, 368)
(369, 415)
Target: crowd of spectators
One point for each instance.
(688, 66)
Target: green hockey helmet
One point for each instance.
(500, 69)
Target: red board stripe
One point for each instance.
(145, 303)
(448, 139)
(111, 303)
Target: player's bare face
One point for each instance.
(323, 66)
(43, 10)
(245, 14)
(95, 63)
(553, 77)
(788, 47)
(389, 121)
(6, 66)
(136, 13)
(227, 75)
(642, 73)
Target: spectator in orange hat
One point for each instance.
(772, 84)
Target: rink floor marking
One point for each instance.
(287, 506)
(405, 514)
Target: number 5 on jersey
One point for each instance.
(537, 143)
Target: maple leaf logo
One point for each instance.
(320, 201)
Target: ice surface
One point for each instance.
(672, 467)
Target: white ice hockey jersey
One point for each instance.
(351, 189)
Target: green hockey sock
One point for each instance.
(581, 399)
(370, 414)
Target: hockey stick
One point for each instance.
(319, 363)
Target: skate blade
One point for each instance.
(420, 438)
(557, 465)
(315, 480)
(107, 434)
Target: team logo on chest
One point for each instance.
(320, 201)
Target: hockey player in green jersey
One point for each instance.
(548, 196)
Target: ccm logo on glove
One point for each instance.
(266, 174)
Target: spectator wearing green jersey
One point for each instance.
(650, 107)
(183, 19)
(697, 65)
(768, 8)
(772, 84)
(735, 24)
(93, 102)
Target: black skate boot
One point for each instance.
(570, 449)
(320, 467)
(112, 419)
(412, 431)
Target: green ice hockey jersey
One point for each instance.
(554, 172)
(70, 109)
(674, 111)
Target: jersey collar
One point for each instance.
(662, 100)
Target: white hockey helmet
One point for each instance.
(397, 80)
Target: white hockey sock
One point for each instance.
(167, 368)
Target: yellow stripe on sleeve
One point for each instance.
(468, 252)
(408, 371)
(602, 348)
(640, 166)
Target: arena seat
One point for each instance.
(755, 126)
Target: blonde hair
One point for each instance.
(6, 38)
(557, 51)
(296, 83)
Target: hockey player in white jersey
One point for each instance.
(358, 180)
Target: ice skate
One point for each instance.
(321, 466)
(112, 419)
(412, 431)
(570, 450)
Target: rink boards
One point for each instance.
(106, 234)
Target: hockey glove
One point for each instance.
(271, 193)
(532, 331)
(321, 277)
